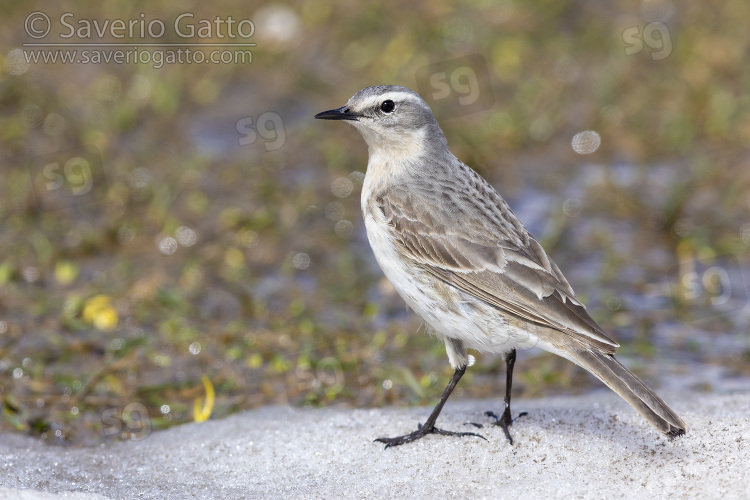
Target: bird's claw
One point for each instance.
(505, 421)
(421, 432)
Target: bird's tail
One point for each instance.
(632, 389)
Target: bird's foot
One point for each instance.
(505, 421)
(421, 432)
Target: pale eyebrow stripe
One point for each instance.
(394, 96)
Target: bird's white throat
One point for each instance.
(392, 148)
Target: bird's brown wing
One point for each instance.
(483, 253)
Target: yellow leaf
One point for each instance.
(93, 306)
(202, 411)
(106, 319)
(66, 272)
(255, 360)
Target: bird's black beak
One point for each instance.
(342, 113)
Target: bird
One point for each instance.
(460, 258)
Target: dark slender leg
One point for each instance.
(429, 425)
(506, 420)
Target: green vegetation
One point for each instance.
(221, 234)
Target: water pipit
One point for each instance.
(462, 260)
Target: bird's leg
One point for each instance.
(429, 426)
(506, 420)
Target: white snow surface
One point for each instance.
(592, 446)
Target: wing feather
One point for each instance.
(488, 258)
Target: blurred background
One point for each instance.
(180, 239)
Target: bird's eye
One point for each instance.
(387, 106)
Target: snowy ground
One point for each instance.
(579, 447)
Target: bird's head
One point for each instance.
(394, 121)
